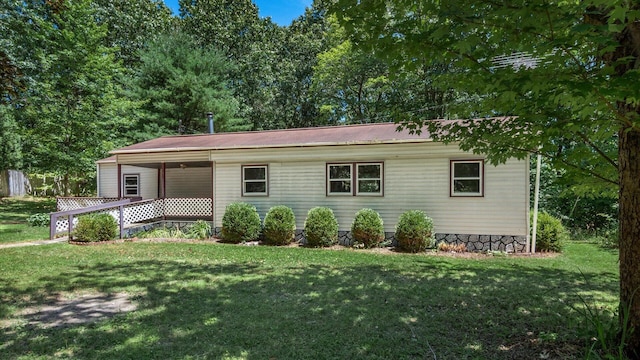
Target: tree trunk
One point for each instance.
(629, 170)
(65, 183)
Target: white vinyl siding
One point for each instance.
(416, 176)
(189, 182)
(108, 180)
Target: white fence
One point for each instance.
(128, 212)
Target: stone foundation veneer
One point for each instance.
(474, 243)
(505, 243)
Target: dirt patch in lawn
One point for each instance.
(78, 310)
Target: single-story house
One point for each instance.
(345, 168)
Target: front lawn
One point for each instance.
(218, 301)
(13, 218)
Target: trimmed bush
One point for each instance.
(551, 233)
(367, 228)
(279, 226)
(321, 227)
(40, 219)
(96, 227)
(414, 231)
(240, 223)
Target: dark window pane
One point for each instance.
(466, 170)
(255, 173)
(369, 186)
(466, 186)
(340, 186)
(340, 172)
(131, 180)
(255, 187)
(369, 171)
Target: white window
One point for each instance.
(369, 179)
(339, 179)
(351, 179)
(131, 185)
(467, 177)
(255, 180)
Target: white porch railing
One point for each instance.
(128, 211)
(188, 207)
(73, 203)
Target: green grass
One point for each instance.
(13, 218)
(218, 301)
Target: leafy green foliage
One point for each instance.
(73, 109)
(551, 233)
(95, 227)
(561, 77)
(131, 24)
(414, 231)
(279, 226)
(10, 140)
(240, 223)
(321, 227)
(367, 228)
(200, 230)
(39, 219)
(180, 82)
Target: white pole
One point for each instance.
(535, 205)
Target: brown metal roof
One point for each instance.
(318, 136)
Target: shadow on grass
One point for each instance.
(13, 210)
(362, 311)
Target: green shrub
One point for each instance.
(40, 219)
(240, 223)
(551, 233)
(200, 230)
(367, 228)
(279, 226)
(96, 227)
(414, 231)
(321, 227)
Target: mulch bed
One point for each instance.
(383, 250)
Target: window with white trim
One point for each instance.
(131, 185)
(369, 177)
(255, 180)
(362, 179)
(467, 178)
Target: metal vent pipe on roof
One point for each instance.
(210, 117)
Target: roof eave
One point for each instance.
(184, 149)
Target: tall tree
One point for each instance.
(568, 70)
(304, 39)
(131, 24)
(71, 113)
(353, 85)
(179, 82)
(10, 140)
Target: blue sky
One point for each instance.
(282, 12)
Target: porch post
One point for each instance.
(163, 180)
(213, 191)
(163, 188)
(119, 181)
